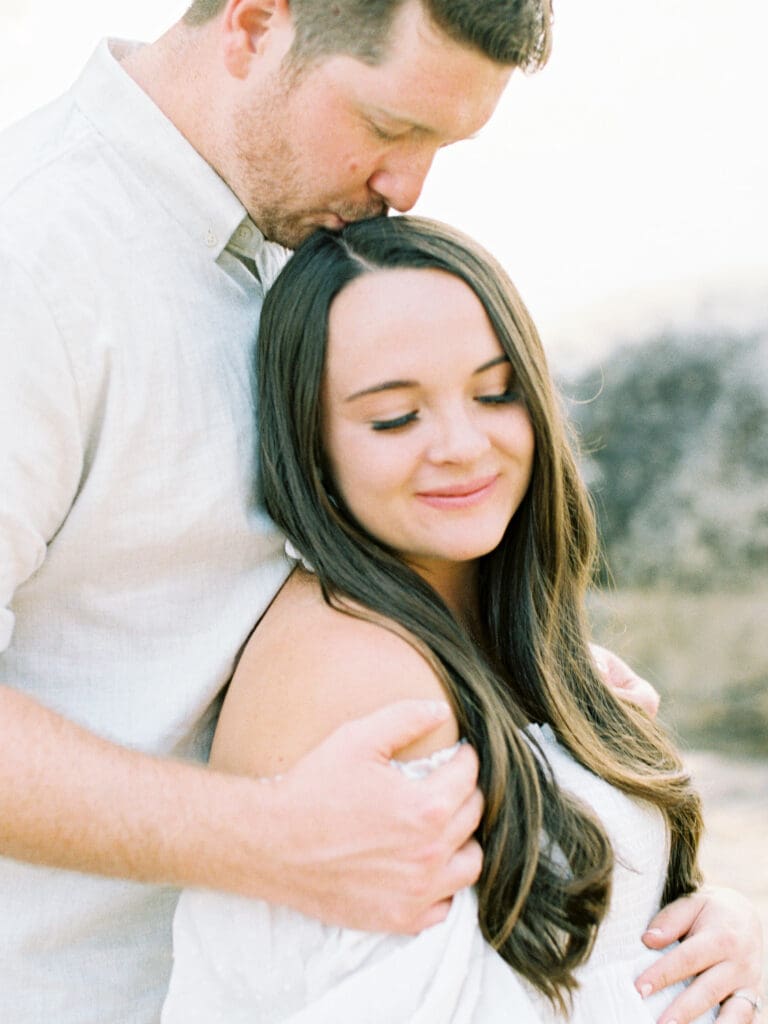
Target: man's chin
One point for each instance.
(289, 236)
(352, 216)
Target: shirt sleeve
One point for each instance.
(41, 450)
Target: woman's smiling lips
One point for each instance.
(459, 496)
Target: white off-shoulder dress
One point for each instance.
(242, 961)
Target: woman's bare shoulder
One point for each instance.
(306, 670)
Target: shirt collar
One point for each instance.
(180, 179)
(268, 258)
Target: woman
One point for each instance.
(415, 456)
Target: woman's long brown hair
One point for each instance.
(548, 864)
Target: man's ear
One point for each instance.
(255, 28)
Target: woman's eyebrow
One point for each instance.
(491, 363)
(387, 385)
(394, 385)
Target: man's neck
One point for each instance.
(178, 75)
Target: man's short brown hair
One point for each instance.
(512, 32)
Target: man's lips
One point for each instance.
(462, 495)
(341, 218)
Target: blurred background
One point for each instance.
(624, 189)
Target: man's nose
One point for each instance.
(401, 178)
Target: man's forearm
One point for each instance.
(343, 836)
(70, 799)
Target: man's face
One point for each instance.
(345, 141)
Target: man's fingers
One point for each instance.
(465, 866)
(465, 822)
(410, 847)
(457, 781)
(395, 726)
(462, 871)
(625, 681)
(436, 913)
(642, 693)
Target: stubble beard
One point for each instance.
(288, 221)
(268, 185)
(271, 188)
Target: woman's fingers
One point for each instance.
(720, 948)
(740, 1008)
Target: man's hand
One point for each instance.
(721, 949)
(619, 676)
(359, 844)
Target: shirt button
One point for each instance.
(210, 238)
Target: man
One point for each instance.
(141, 218)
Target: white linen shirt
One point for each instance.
(134, 556)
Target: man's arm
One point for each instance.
(342, 836)
(625, 682)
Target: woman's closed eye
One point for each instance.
(507, 396)
(504, 396)
(394, 423)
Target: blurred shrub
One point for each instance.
(675, 433)
(706, 653)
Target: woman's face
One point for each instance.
(429, 443)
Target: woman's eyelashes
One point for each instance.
(507, 396)
(393, 424)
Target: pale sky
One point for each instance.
(622, 187)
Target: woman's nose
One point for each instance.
(458, 439)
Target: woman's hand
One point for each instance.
(721, 948)
(628, 684)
